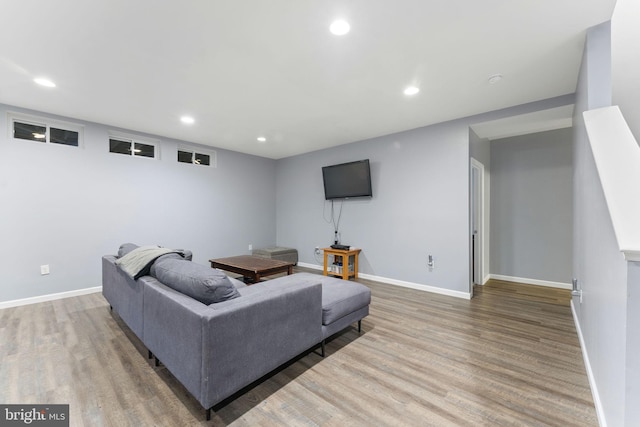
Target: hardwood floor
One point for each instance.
(509, 291)
(508, 357)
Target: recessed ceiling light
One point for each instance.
(411, 90)
(262, 139)
(44, 82)
(495, 78)
(340, 27)
(187, 120)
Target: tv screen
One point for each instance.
(347, 180)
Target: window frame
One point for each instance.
(213, 156)
(47, 123)
(132, 140)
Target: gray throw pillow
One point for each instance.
(173, 255)
(201, 283)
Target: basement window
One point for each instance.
(39, 129)
(133, 146)
(203, 158)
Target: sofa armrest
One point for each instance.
(173, 331)
(123, 294)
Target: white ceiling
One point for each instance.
(249, 68)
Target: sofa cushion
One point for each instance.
(201, 283)
(341, 297)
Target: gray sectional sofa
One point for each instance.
(215, 349)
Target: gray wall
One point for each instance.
(531, 206)
(480, 149)
(67, 206)
(598, 264)
(632, 374)
(419, 207)
(420, 204)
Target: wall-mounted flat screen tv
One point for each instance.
(347, 180)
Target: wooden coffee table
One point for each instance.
(253, 268)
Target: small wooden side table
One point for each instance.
(345, 256)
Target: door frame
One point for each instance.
(476, 212)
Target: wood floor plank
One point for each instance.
(510, 356)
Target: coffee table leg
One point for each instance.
(250, 278)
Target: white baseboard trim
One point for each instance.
(311, 266)
(418, 286)
(602, 421)
(49, 297)
(536, 282)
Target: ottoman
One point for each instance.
(279, 253)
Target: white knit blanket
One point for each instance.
(136, 260)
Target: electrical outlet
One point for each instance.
(318, 251)
(44, 269)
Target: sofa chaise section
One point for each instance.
(343, 303)
(217, 350)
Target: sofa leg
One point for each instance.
(209, 414)
(149, 355)
(157, 361)
(359, 325)
(110, 307)
(315, 349)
